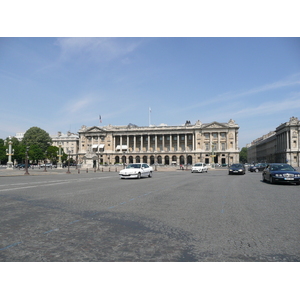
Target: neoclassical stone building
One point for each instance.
(186, 144)
(68, 142)
(281, 145)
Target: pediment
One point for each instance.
(214, 125)
(94, 129)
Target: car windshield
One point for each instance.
(236, 166)
(134, 166)
(198, 165)
(282, 168)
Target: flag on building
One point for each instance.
(100, 119)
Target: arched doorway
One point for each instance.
(152, 160)
(174, 160)
(190, 160)
(138, 159)
(117, 160)
(145, 159)
(181, 159)
(130, 159)
(167, 160)
(159, 159)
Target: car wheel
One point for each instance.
(150, 174)
(139, 176)
(256, 170)
(263, 178)
(271, 180)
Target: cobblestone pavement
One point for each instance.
(173, 217)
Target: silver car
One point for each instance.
(137, 170)
(199, 168)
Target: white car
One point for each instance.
(137, 170)
(199, 168)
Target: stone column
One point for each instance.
(193, 147)
(142, 144)
(185, 142)
(149, 140)
(177, 142)
(134, 143)
(163, 142)
(170, 142)
(155, 142)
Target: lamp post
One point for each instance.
(59, 156)
(68, 172)
(45, 170)
(213, 156)
(98, 154)
(26, 161)
(9, 152)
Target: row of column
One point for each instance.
(155, 141)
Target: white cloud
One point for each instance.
(96, 49)
(271, 107)
(229, 96)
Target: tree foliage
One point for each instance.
(244, 155)
(38, 137)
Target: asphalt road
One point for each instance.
(173, 217)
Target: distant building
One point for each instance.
(68, 142)
(20, 136)
(185, 144)
(281, 145)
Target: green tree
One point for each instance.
(3, 156)
(52, 152)
(35, 153)
(244, 155)
(37, 136)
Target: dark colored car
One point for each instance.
(281, 173)
(237, 169)
(21, 166)
(258, 167)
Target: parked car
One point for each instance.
(278, 172)
(21, 166)
(199, 168)
(137, 170)
(47, 165)
(237, 169)
(258, 167)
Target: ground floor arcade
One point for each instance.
(161, 159)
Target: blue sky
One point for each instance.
(60, 84)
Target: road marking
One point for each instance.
(48, 183)
(12, 245)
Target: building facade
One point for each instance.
(281, 145)
(186, 144)
(68, 142)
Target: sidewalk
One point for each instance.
(40, 171)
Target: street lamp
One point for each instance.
(45, 170)
(9, 152)
(68, 172)
(59, 156)
(213, 156)
(26, 161)
(98, 154)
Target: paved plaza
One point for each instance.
(176, 216)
